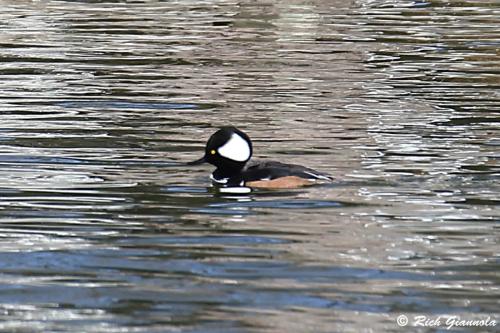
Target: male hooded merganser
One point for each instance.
(229, 150)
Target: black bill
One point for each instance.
(197, 162)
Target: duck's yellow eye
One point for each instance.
(213, 152)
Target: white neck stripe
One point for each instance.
(220, 181)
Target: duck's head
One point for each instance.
(228, 149)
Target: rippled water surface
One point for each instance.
(103, 230)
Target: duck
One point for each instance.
(230, 150)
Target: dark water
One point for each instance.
(103, 230)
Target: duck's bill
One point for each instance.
(197, 162)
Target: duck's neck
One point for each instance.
(226, 173)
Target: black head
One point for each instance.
(227, 149)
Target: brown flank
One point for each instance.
(282, 182)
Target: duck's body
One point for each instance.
(271, 174)
(230, 150)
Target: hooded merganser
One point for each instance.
(230, 149)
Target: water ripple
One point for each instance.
(103, 227)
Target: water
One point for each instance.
(103, 230)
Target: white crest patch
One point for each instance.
(236, 149)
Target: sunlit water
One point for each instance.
(103, 230)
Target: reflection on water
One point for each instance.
(103, 229)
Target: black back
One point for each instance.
(271, 170)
